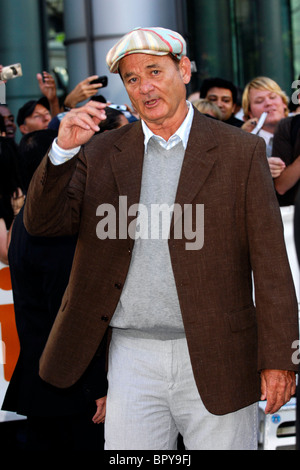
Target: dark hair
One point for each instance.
(10, 177)
(175, 59)
(99, 98)
(112, 121)
(2, 124)
(217, 82)
(32, 148)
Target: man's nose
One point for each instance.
(145, 86)
(268, 102)
(219, 103)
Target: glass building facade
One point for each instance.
(242, 39)
(233, 39)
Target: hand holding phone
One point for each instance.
(260, 123)
(103, 80)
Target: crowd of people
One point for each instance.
(41, 265)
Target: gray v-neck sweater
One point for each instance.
(149, 305)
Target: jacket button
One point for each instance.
(118, 285)
(105, 318)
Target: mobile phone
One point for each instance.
(102, 80)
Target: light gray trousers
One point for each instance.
(152, 397)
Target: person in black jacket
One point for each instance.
(286, 147)
(40, 268)
(224, 94)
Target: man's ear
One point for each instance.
(23, 129)
(185, 69)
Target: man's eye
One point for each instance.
(155, 72)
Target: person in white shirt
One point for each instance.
(261, 95)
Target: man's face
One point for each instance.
(37, 121)
(222, 97)
(156, 88)
(9, 121)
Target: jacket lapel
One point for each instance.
(198, 161)
(127, 163)
(127, 166)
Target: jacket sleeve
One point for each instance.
(53, 202)
(282, 145)
(275, 298)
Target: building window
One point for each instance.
(55, 43)
(295, 13)
(241, 39)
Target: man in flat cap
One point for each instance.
(174, 213)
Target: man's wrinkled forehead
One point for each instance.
(130, 66)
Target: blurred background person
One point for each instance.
(285, 170)
(11, 192)
(34, 116)
(9, 121)
(40, 266)
(286, 148)
(223, 93)
(260, 95)
(83, 90)
(208, 108)
(48, 88)
(2, 127)
(114, 120)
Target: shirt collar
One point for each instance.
(182, 133)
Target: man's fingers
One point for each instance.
(79, 124)
(277, 388)
(85, 122)
(87, 117)
(97, 111)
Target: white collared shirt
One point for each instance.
(58, 155)
(182, 133)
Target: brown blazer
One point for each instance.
(229, 339)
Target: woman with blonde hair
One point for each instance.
(208, 108)
(264, 94)
(261, 95)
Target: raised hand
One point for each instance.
(80, 124)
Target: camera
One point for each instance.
(103, 80)
(118, 107)
(11, 71)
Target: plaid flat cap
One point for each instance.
(155, 41)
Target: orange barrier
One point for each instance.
(9, 333)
